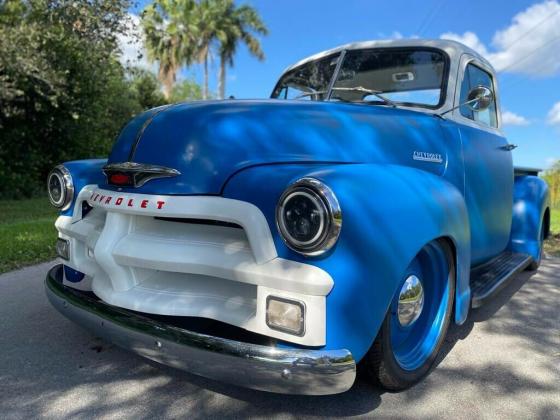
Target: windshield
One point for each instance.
(389, 76)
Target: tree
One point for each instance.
(178, 32)
(207, 17)
(63, 93)
(186, 90)
(170, 36)
(146, 88)
(552, 177)
(236, 25)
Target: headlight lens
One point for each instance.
(309, 217)
(60, 187)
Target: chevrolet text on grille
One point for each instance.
(130, 202)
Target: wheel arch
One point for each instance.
(546, 223)
(461, 304)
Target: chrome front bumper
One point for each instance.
(287, 371)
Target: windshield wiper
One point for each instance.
(376, 93)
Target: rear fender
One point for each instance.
(530, 202)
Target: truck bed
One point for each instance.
(522, 170)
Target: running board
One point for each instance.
(489, 278)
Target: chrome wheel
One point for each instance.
(411, 301)
(421, 308)
(415, 325)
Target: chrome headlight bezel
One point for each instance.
(61, 175)
(325, 200)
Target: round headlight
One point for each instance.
(309, 217)
(60, 187)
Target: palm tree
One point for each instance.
(207, 18)
(169, 37)
(236, 24)
(178, 32)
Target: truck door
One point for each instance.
(488, 165)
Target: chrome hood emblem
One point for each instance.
(132, 174)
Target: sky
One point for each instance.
(520, 38)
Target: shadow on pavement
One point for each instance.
(52, 368)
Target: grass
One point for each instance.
(27, 233)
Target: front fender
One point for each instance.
(84, 172)
(530, 202)
(389, 213)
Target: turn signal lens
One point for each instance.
(121, 179)
(285, 315)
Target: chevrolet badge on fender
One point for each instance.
(427, 157)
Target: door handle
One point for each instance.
(509, 147)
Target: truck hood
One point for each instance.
(208, 142)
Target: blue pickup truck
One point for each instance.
(281, 244)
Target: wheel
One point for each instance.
(534, 266)
(417, 320)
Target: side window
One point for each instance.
(475, 76)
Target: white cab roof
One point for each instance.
(454, 49)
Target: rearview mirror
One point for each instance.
(479, 98)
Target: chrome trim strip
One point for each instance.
(148, 171)
(140, 132)
(334, 76)
(286, 371)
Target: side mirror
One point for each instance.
(479, 98)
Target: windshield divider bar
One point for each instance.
(335, 75)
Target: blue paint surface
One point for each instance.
(84, 172)
(488, 191)
(73, 276)
(210, 141)
(530, 201)
(128, 135)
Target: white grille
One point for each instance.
(137, 261)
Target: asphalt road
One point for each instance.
(503, 363)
